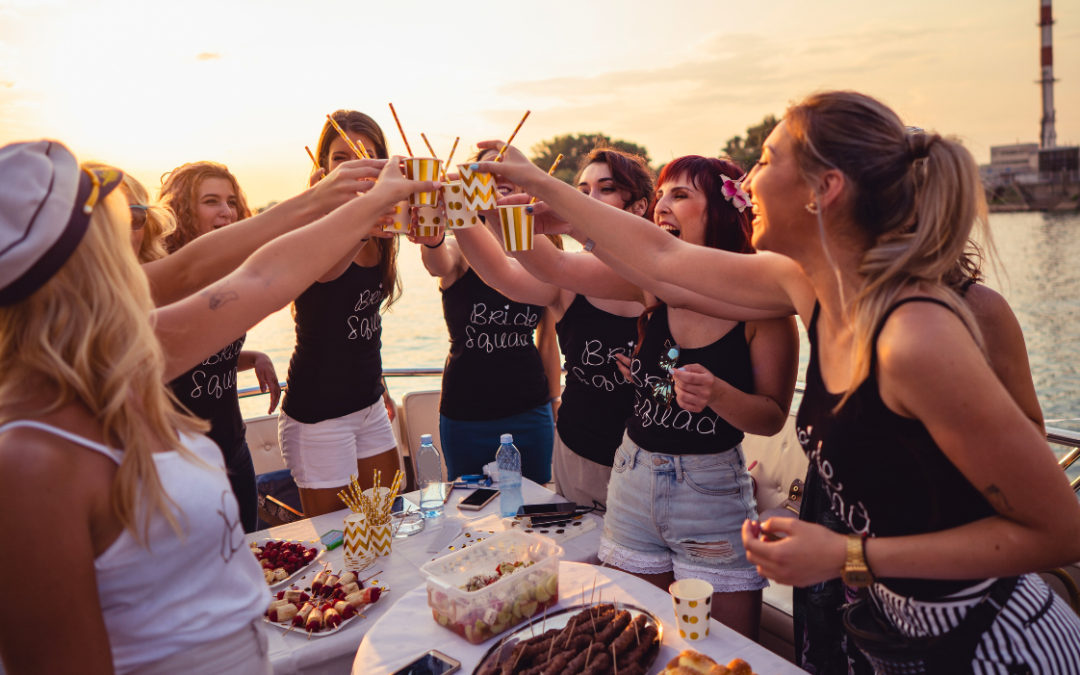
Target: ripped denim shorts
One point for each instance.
(683, 513)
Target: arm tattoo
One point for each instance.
(997, 499)
(219, 296)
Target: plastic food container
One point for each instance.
(481, 614)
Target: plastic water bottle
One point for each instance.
(509, 461)
(430, 478)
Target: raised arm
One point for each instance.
(215, 254)
(506, 275)
(764, 281)
(579, 273)
(197, 326)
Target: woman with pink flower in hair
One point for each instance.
(679, 489)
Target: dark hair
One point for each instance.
(359, 123)
(630, 173)
(726, 228)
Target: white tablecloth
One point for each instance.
(407, 629)
(295, 653)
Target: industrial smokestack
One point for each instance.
(1048, 137)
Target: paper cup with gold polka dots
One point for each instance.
(429, 221)
(458, 214)
(401, 222)
(693, 607)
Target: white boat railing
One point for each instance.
(1064, 437)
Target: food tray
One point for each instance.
(289, 580)
(503, 649)
(287, 626)
(481, 614)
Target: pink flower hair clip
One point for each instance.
(733, 192)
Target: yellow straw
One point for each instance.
(450, 158)
(428, 146)
(360, 153)
(313, 160)
(554, 165)
(498, 157)
(402, 131)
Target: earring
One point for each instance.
(812, 208)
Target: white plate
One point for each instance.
(317, 545)
(323, 633)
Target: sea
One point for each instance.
(1036, 268)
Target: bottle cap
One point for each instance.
(506, 438)
(425, 439)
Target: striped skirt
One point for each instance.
(1036, 632)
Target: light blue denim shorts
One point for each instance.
(683, 513)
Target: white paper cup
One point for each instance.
(401, 222)
(480, 189)
(429, 221)
(423, 168)
(693, 607)
(458, 214)
(517, 227)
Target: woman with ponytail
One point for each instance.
(679, 488)
(335, 422)
(942, 483)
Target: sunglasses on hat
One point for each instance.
(138, 216)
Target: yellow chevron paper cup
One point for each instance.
(380, 538)
(517, 227)
(423, 168)
(458, 214)
(480, 188)
(401, 222)
(358, 554)
(429, 221)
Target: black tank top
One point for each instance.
(336, 367)
(597, 398)
(209, 391)
(883, 473)
(493, 370)
(668, 428)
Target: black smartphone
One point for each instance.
(432, 663)
(546, 509)
(478, 499)
(401, 504)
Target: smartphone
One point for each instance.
(478, 499)
(546, 509)
(433, 662)
(401, 504)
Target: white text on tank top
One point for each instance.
(596, 355)
(855, 515)
(364, 328)
(489, 342)
(651, 412)
(214, 385)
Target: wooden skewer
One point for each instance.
(613, 659)
(402, 131)
(313, 160)
(587, 654)
(498, 157)
(592, 594)
(637, 632)
(371, 577)
(517, 659)
(554, 165)
(543, 627)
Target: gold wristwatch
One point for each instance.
(856, 573)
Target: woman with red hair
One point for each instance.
(679, 488)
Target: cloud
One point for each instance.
(208, 56)
(6, 84)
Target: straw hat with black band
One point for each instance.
(45, 206)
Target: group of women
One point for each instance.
(122, 327)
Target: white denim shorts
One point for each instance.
(324, 454)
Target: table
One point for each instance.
(294, 653)
(407, 630)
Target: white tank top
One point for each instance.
(183, 591)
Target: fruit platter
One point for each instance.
(326, 606)
(482, 591)
(283, 559)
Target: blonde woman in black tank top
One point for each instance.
(943, 483)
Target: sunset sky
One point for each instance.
(148, 86)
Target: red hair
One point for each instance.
(180, 192)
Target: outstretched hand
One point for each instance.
(394, 186)
(344, 183)
(514, 166)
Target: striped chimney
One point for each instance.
(1048, 137)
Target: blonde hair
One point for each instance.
(160, 221)
(916, 196)
(180, 192)
(88, 333)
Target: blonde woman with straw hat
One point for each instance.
(121, 500)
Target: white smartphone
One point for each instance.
(478, 499)
(433, 662)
